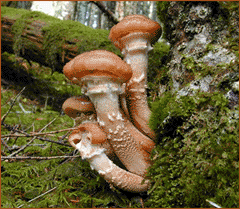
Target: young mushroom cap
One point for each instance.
(97, 63)
(73, 106)
(96, 134)
(133, 24)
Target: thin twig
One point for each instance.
(39, 196)
(36, 158)
(4, 117)
(38, 137)
(5, 144)
(39, 134)
(214, 204)
(26, 145)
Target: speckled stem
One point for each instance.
(104, 93)
(115, 175)
(135, 54)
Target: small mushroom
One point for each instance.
(134, 36)
(83, 107)
(74, 106)
(99, 161)
(101, 74)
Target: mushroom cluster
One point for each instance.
(113, 134)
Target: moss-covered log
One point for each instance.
(47, 40)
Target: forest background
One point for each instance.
(193, 88)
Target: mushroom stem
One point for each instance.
(104, 93)
(134, 36)
(99, 161)
(135, 54)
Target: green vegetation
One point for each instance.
(39, 81)
(58, 34)
(196, 157)
(73, 182)
(157, 71)
(197, 149)
(162, 7)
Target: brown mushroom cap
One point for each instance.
(98, 63)
(74, 105)
(96, 134)
(135, 23)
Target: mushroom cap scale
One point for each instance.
(98, 63)
(75, 105)
(133, 24)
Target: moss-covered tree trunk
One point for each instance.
(31, 45)
(196, 116)
(47, 40)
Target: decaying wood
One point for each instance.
(32, 48)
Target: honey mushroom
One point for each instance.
(101, 74)
(87, 140)
(134, 36)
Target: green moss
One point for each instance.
(162, 7)
(229, 5)
(22, 22)
(59, 34)
(157, 71)
(199, 161)
(12, 12)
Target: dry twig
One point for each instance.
(26, 145)
(4, 117)
(38, 137)
(38, 196)
(36, 158)
(38, 134)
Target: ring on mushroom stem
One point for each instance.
(98, 160)
(134, 36)
(101, 74)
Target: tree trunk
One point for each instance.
(31, 43)
(151, 9)
(89, 15)
(75, 6)
(99, 19)
(120, 10)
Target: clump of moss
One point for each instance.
(162, 7)
(199, 161)
(157, 70)
(23, 22)
(11, 12)
(58, 34)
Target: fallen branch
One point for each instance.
(26, 145)
(38, 134)
(36, 158)
(10, 128)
